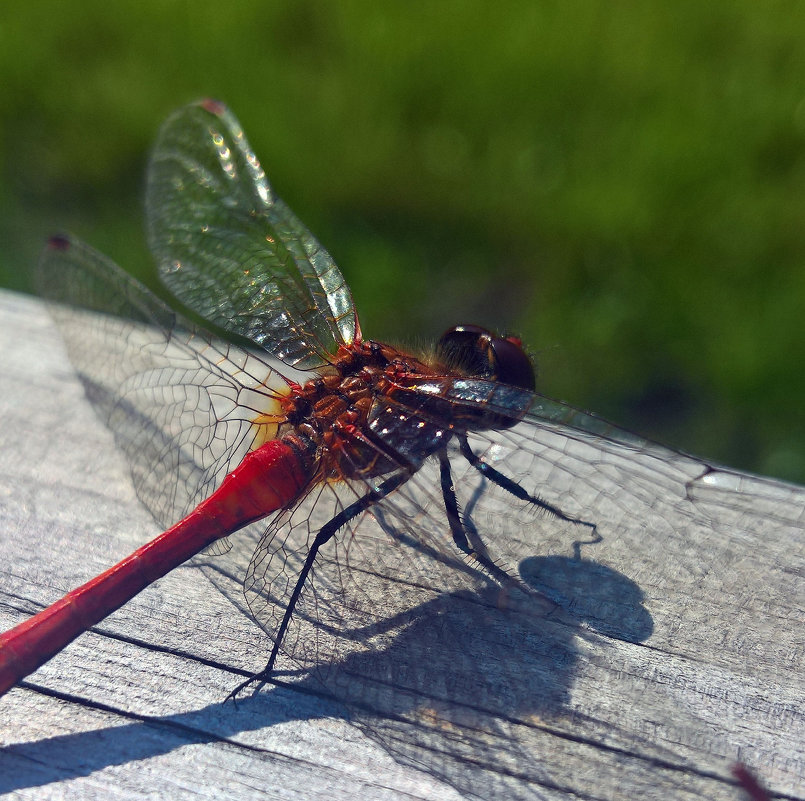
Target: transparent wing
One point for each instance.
(232, 251)
(663, 518)
(184, 406)
(439, 662)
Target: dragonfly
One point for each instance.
(274, 414)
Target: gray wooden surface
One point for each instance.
(704, 668)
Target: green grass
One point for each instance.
(620, 183)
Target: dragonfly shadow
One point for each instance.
(480, 683)
(470, 684)
(596, 595)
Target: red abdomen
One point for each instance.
(267, 479)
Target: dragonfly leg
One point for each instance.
(506, 483)
(464, 533)
(325, 534)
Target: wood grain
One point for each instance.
(654, 677)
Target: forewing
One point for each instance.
(181, 403)
(673, 524)
(232, 251)
(631, 489)
(667, 523)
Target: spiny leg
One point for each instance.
(464, 533)
(325, 534)
(511, 486)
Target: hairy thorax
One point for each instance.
(334, 415)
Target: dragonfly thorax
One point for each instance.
(332, 413)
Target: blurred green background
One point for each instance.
(620, 183)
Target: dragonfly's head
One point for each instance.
(479, 353)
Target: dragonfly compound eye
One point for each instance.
(478, 352)
(512, 364)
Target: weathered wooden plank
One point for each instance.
(676, 653)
